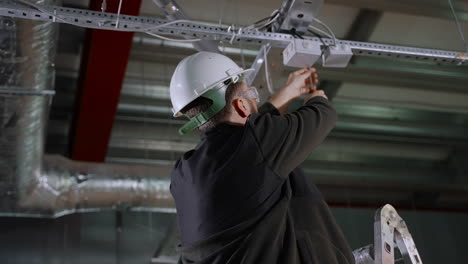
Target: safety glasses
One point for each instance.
(252, 93)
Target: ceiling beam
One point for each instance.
(364, 25)
(102, 74)
(437, 9)
(361, 29)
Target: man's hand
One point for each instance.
(299, 82)
(314, 94)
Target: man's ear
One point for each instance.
(240, 106)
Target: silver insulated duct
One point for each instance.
(34, 186)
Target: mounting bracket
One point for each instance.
(102, 20)
(297, 15)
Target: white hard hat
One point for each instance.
(198, 74)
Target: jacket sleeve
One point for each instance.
(286, 141)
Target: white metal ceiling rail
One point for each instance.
(102, 20)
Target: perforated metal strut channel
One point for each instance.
(102, 20)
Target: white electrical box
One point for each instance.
(337, 56)
(301, 53)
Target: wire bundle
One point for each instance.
(314, 30)
(103, 8)
(263, 24)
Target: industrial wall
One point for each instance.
(135, 238)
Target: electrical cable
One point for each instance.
(146, 29)
(323, 43)
(48, 13)
(295, 34)
(458, 25)
(171, 39)
(118, 14)
(169, 23)
(330, 35)
(242, 55)
(318, 36)
(267, 72)
(233, 30)
(314, 29)
(325, 26)
(321, 32)
(258, 23)
(261, 20)
(272, 18)
(103, 6)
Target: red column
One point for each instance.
(104, 63)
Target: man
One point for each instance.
(238, 194)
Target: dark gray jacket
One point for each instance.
(239, 198)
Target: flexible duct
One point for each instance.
(27, 50)
(57, 186)
(66, 186)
